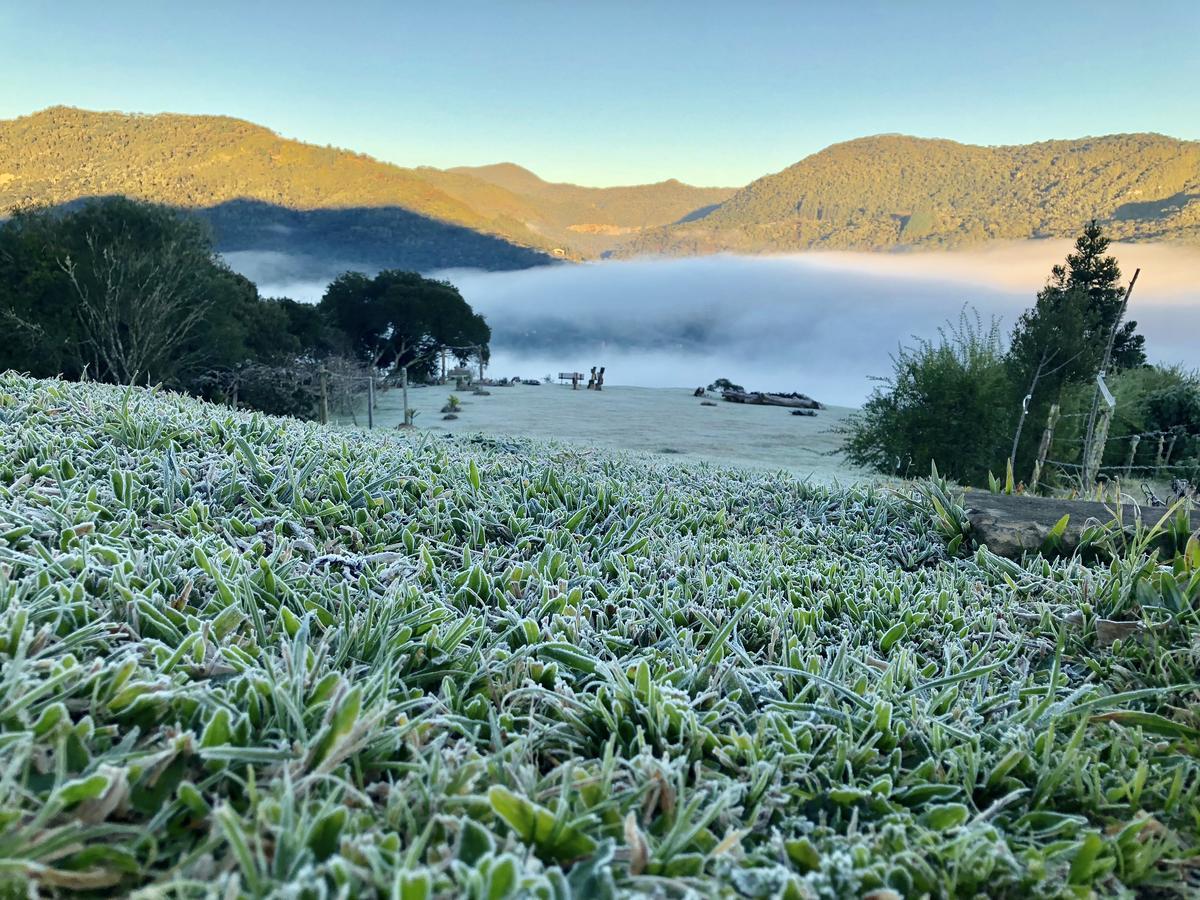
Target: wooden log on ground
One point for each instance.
(1013, 524)
(758, 398)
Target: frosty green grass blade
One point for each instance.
(244, 656)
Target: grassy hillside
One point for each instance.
(62, 154)
(241, 655)
(597, 220)
(263, 192)
(889, 191)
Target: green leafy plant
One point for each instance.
(251, 656)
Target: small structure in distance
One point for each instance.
(462, 377)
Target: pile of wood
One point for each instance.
(758, 398)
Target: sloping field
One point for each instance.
(658, 421)
(242, 656)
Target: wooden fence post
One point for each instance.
(1095, 453)
(1044, 447)
(1133, 445)
(1097, 437)
(404, 390)
(324, 397)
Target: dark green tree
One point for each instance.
(37, 309)
(142, 279)
(125, 291)
(399, 319)
(1061, 340)
(1091, 270)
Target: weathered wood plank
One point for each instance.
(1012, 524)
(758, 398)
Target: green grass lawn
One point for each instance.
(243, 656)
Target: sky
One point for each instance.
(618, 92)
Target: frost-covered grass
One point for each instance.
(244, 656)
(667, 422)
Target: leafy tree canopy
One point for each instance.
(125, 291)
(401, 319)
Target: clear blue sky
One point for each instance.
(613, 92)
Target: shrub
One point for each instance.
(946, 403)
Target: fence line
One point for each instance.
(1159, 445)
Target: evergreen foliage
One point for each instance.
(969, 404)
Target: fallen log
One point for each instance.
(1014, 524)
(758, 398)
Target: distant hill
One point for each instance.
(895, 191)
(598, 219)
(264, 192)
(63, 154)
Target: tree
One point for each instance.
(401, 319)
(1047, 351)
(1088, 269)
(1061, 340)
(124, 290)
(37, 312)
(138, 275)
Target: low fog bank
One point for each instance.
(297, 275)
(822, 323)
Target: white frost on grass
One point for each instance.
(658, 421)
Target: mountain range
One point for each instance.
(263, 192)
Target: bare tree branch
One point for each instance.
(137, 305)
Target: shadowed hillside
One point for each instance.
(364, 237)
(874, 193)
(62, 154)
(895, 191)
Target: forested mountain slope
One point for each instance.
(891, 190)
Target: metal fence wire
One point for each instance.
(1147, 454)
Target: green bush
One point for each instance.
(945, 404)
(1151, 401)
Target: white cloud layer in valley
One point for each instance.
(822, 323)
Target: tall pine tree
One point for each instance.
(1061, 340)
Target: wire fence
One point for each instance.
(1147, 457)
(351, 392)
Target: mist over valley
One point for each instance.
(822, 323)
